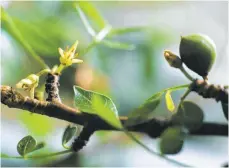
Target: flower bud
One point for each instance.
(172, 59)
(28, 83)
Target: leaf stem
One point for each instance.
(43, 72)
(186, 73)
(37, 156)
(60, 68)
(89, 47)
(153, 152)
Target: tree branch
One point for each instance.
(153, 128)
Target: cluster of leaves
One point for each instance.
(189, 116)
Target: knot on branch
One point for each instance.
(207, 90)
(51, 87)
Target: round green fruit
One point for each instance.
(198, 52)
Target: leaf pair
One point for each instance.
(27, 145)
(189, 115)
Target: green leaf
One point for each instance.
(26, 145)
(68, 134)
(87, 9)
(171, 140)
(169, 101)
(96, 103)
(145, 111)
(83, 100)
(118, 45)
(105, 112)
(225, 109)
(190, 115)
(39, 146)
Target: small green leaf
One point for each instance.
(172, 140)
(118, 45)
(105, 112)
(68, 134)
(169, 101)
(26, 145)
(83, 100)
(190, 115)
(225, 109)
(145, 111)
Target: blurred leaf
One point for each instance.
(172, 140)
(88, 9)
(146, 51)
(102, 34)
(121, 31)
(37, 124)
(43, 42)
(225, 109)
(4, 155)
(169, 101)
(106, 112)
(83, 100)
(68, 134)
(145, 111)
(26, 145)
(86, 23)
(9, 26)
(190, 115)
(118, 45)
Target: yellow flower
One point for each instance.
(68, 57)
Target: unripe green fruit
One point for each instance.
(198, 52)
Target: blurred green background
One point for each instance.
(113, 67)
